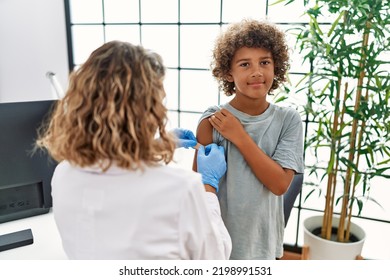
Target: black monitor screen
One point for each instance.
(25, 176)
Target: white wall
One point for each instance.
(32, 42)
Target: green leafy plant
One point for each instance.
(348, 91)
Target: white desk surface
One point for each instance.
(47, 243)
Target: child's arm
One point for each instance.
(204, 135)
(266, 170)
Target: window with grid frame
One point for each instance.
(183, 32)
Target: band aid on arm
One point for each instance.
(196, 147)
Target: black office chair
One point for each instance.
(290, 196)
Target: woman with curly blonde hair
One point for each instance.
(114, 196)
(263, 141)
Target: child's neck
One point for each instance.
(250, 107)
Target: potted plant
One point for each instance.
(348, 92)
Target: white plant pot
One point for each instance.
(322, 249)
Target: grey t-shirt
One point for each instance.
(254, 215)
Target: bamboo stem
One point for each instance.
(363, 126)
(326, 230)
(355, 122)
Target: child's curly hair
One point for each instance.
(112, 111)
(252, 34)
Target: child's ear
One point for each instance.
(229, 78)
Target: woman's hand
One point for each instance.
(185, 138)
(211, 164)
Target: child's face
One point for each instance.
(252, 71)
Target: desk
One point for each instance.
(47, 243)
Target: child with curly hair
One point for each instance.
(114, 197)
(263, 141)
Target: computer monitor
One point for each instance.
(25, 177)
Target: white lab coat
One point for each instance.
(160, 213)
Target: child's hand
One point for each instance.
(227, 124)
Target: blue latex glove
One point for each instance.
(186, 139)
(211, 164)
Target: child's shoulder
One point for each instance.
(288, 110)
(288, 114)
(210, 110)
(214, 108)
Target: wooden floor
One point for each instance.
(302, 256)
(291, 256)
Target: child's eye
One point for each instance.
(244, 64)
(265, 62)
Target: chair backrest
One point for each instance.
(290, 196)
